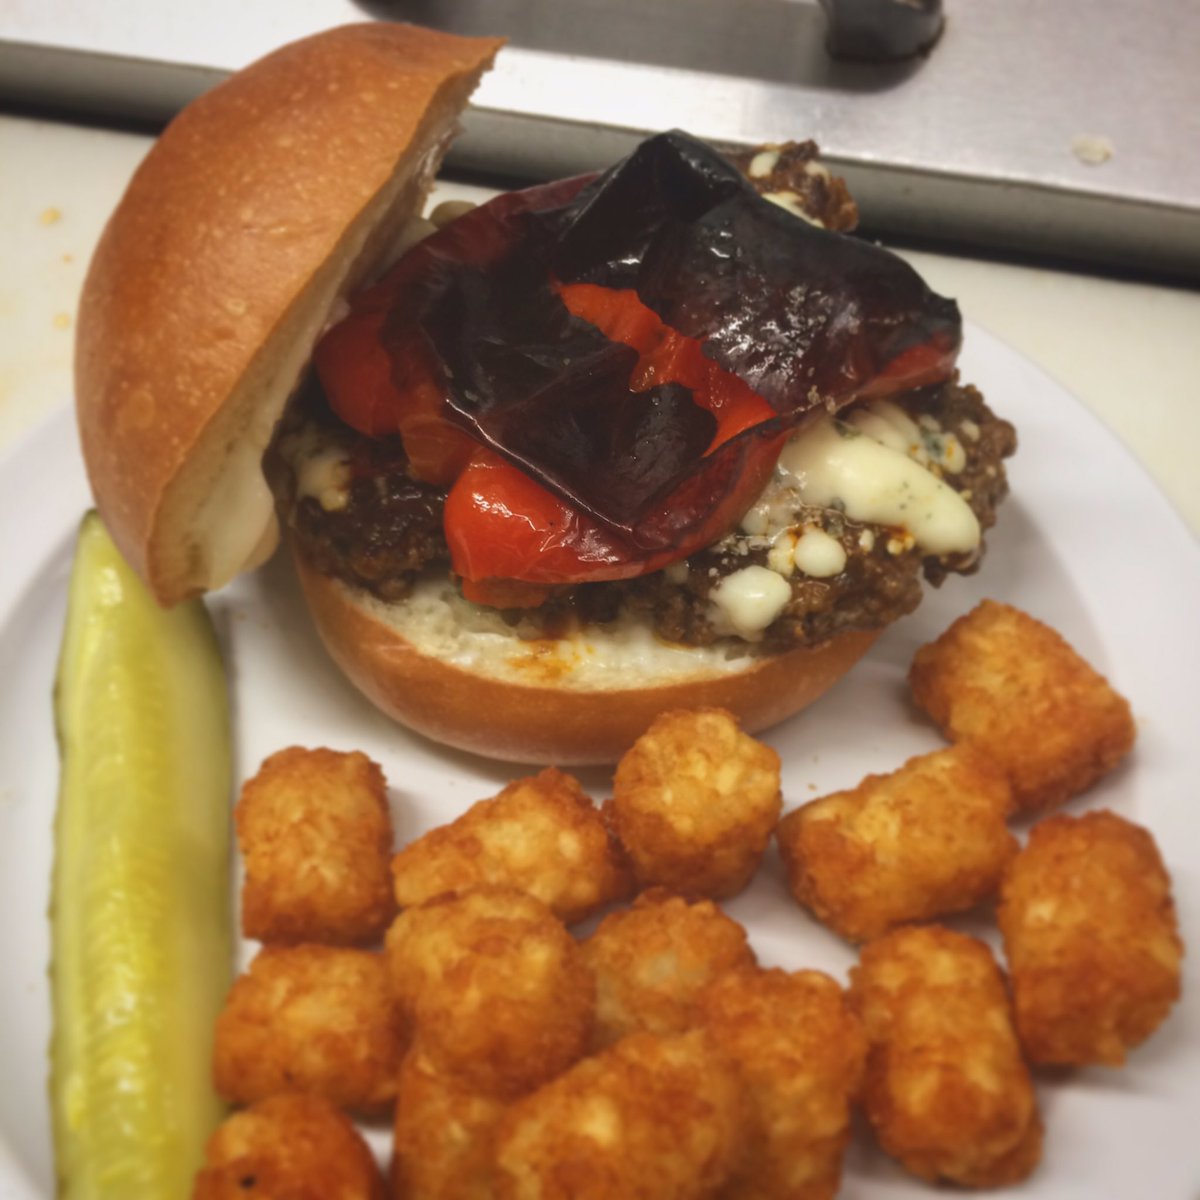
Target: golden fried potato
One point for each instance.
(293, 1146)
(318, 1018)
(695, 801)
(947, 1091)
(315, 835)
(799, 1051)
(651, 1118)
(1014, 689)
(497, 988)
(542, 834)
(1089, 930)
(652, 961)
(444, 1136)
(926, 840)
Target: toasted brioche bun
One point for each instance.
(262, 205)
(264, 202)
(458, 674)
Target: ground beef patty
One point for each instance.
(355, 513)
(791, 176)
(349, 503)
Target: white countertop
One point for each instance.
(1129, 351)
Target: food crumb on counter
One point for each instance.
(62, 320)
(50, 216)
(1092, 149)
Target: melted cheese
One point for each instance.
(763, 163)
(791, 201)
(835, 465)
(325, 476)
(322, 472)
(817, 554)
(750, 599)
(809, 549)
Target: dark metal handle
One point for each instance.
(882, 30)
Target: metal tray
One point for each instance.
(1066, 129)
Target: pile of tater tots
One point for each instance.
(441, 988)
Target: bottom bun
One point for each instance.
(459, 674)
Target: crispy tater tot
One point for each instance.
(651, 1118)
(1089, 929)
(946, 1090)
(318, 1018)
(1014, 689)
(542, 834)
(800, 1051)
(496, 986)
(444, 1135)
(316, 835)
(926, 840)
(293, 1146)
(695, 801)
(652, 961)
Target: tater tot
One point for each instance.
(444, 1135)
(542, 834)
(1014, 689)
(651, 1118)
(800, 1051)
(652, 961)
(497, 988)
(316, 835)
(318, 1018)
(926, 840)
(1089, 929)
(946, 1090)
(293, 1146)
(694, 803)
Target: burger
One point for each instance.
(660, 436)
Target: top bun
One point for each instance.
(262, 204)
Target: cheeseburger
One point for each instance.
(661, 436)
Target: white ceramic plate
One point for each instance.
(1086, 542)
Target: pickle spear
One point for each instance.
(140, 909)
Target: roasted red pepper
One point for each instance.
(500, 524)
(603, 376)
(378, 393)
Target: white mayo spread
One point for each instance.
(835, 464)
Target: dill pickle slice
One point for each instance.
(140, 909)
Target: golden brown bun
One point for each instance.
(262, 203)
(443, 668)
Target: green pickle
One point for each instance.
(140, 911)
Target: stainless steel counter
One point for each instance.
(1060, 129)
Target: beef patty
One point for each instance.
(351, 507)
